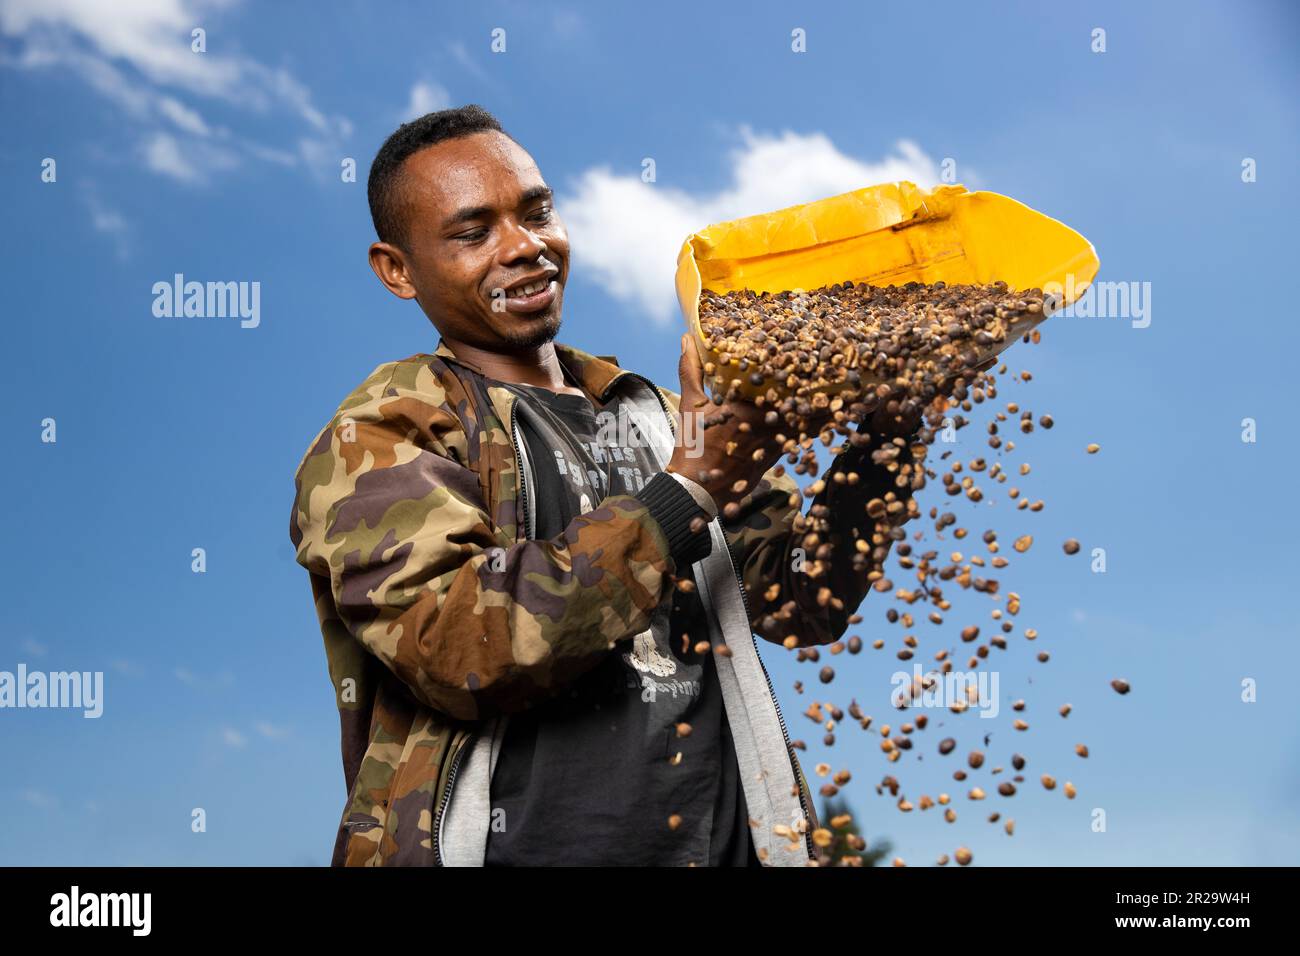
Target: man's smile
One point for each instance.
(532, 293)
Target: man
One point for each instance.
(539, 628)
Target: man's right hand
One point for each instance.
(738, 424)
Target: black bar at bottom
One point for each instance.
(336, 906)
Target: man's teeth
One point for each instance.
(533, 289)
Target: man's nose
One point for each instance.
(522, 244)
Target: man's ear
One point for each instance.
(389, 264)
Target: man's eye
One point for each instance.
(542, 215)
(474, 236)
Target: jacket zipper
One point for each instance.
(455, 765)
(446, 798)
(519, 470)
(785, 734)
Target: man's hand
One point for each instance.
(725, 461)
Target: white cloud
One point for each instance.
(210, 682)
(426, 98)
(34, 647)
(184, 117)
(269, 154)
(39, 798)
(151, 35)
(137, 54)
(232, 737)
(187, 161)
(466, 61)
(109, 222)
(271, 731)
(626, 234)
(162, 154)
(567, 23)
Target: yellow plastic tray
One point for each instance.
(882, 235)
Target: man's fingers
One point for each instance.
(691, 370)
(691, 359)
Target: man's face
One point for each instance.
(487, 256)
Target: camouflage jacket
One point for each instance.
(441, 616)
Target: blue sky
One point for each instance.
(174, 434)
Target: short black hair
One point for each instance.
(385, 184)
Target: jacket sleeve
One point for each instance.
(770, 525)
(471, 621)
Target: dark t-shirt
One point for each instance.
(592, 776)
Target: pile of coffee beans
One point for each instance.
(893, 368)
(848, 347)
